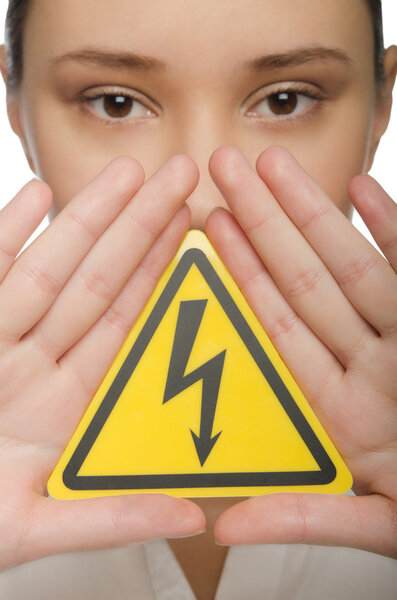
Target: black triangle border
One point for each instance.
(327, 471)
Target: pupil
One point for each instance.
(118, 106)
(283, 103)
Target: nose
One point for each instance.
(198, 136)
(206, 196)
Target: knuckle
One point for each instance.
(118, 515)
(49, 349)
(315, 217)
(69, 368)
(115, 318)
(43, 280)
(284, 325)
(300, 517)
(141, 224)
(7, 252)
(389, 244)
(296, 528)
(8, 338)
(305, 282)
(264, 221)
(355, 348)
(20, 547)
(83, 224)
(357, 270)
(97, 285)
(145, 269)
(251, 281)
(116, 518)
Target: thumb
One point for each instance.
(58, 526)
(365, 522)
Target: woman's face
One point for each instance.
(252, 74)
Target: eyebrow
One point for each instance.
(111, 59)
(129, 60)
(296, 57)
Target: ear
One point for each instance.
(3, 63)
(13, 107)
(384, 102)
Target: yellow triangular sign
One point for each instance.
(198, 402)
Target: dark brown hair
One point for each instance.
(18, 11)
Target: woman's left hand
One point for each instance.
(328, 301)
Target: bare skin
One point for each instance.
(218, 121)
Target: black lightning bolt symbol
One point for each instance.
(189, 319)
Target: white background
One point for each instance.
(15, 171)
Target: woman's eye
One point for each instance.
(118, 107)
(283, 104)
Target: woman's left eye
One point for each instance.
(283, 104)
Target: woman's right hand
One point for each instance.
(66, 305)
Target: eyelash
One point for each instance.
(300, 89)
(83, 99)
(291, 88)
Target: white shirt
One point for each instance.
(150, 572)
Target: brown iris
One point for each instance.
(283, 103)
(118, 106)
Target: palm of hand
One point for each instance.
(66, 305)
(328, 301)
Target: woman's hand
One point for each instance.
(66, 305)
(328, 301)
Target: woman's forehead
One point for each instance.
(181, 31)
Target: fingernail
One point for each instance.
(215, 209)
(185, 535)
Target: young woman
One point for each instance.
(130, 111)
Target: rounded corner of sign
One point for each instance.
(341, 484)
(195, 242)
(197, 233)
(54, 488)
(58, 487)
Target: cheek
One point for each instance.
(338, 151)
(68, 153)
(65, 160)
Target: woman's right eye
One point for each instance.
(116, 106)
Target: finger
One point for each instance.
(105, 270)
(82, 525)
(20, 218)
(378, 212)
(365, 277)
(309, 360)
(39, 274)
(296, 269)
(107, 335)
(366, 522)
